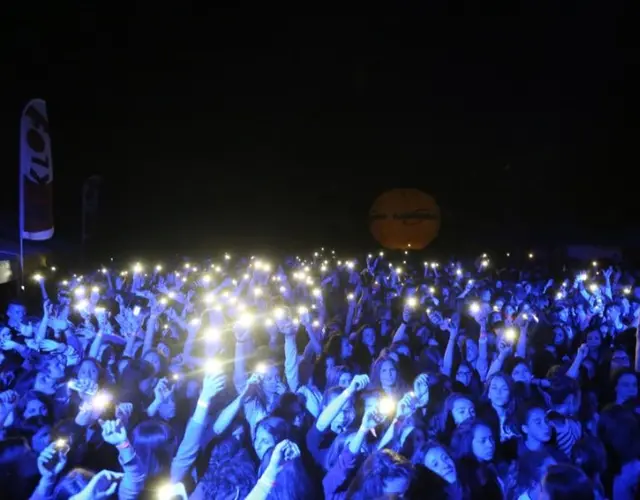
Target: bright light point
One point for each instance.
(278, 313)
(398, 270)
(37, 277)
(261, 368)
(212, 334)
(61, 443)
(317, 292)
(246, 320)
(65, 283)
(594, 264)
(474, 307)
(187, 266)
(510, 334)
(484, 263)
(101, 400)
(95, 289)
(432, 290)
(459, 272)
(627, 290)
(282, 289)
(323, 268)
(195, 322)
(257, 292)
(209, 298)
(206, 278)
(82, 305)
(171, 295)
(531, 256)
(302, 310)
(351, 296)
(164, 301)
(315, 323)
(387, 406)
(137, 267)
(593, 287)
(104, 270)
(79, 292)
(268, 322)
(227, 256)
(559, 296)
(54, 269)
(158, 267)
(412, 302)
(99, 310)
(381, 254)
(245, 277)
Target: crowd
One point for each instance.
(323, 378)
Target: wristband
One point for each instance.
(123, 445)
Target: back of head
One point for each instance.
(566, 482)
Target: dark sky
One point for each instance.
(246, 126)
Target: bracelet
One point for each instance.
(124, 445)
(203, 404)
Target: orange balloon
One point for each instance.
(404, 218)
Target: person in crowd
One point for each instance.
(323, 377)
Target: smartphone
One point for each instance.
(62, 448)
(74, 385)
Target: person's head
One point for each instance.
(625, 385)
(384, 372)
(471, 350)
(16, 311)
(339, 376)
(156, 361)
(155, 444)
(534, 424)
(499, 390)
(474, 439)
(612, 313)
(594, 339)
(89, 369)
(559, 336)
(564, 395)
(619, 360)
(384, 474)
(437, 459)
(269, 432)
(231, 473)
(32, 405)
(270, 377)
(565, 482)
(345, 416)
(291, 408)
(521, 372)
(368, 336)
(531, 468)
(138, 375)
(464, 373)
(459, 408)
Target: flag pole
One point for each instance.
(21, 217)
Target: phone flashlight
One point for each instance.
(261, 368)
(510, 334)
(387, 406)
(212, 334)
(136, 310)
(412, 302)
(101, 400)
(474, 307)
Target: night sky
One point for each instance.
(216, 128)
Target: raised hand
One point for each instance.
(421, 390)
(358, 383)
(113, 432)
(283, 452)
(102, 485)
(212, 385)
(52, 460)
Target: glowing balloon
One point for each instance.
(404, 219)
